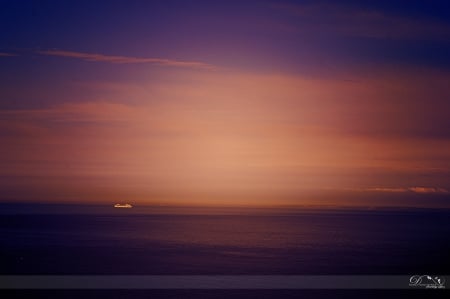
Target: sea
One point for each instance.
(68, 239)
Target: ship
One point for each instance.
(123, 205)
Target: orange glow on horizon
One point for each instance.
(208, 135)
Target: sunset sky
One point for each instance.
(225, 102)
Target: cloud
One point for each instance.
(3, 54)
(428, 190)
(382, 189)
(421, 190)
(94, 57)
(352, 21)
(89, 112)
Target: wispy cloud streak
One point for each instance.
(423, 190)
(94, 57)
(3, 54)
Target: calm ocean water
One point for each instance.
(67, 239)
(104, 240)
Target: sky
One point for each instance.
(225, 102)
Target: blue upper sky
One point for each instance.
(253, 34)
